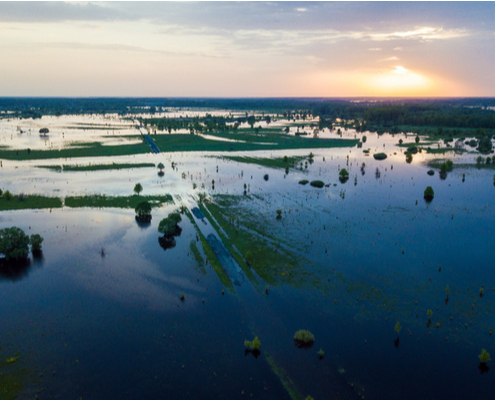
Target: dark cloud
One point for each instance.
(58, 12)
(355, 16)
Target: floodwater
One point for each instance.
(110, 324)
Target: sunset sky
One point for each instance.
(247, 49)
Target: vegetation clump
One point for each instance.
(170, 229)
(429, 193)
(303, 182)
(484, 356)
(431, 172)
(255, 344)
(379, 156)
(253, 347)
(317, 184)
(304, 339)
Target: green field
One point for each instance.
(185, 142)
(102, 201)
(91, 149)
(20, 202)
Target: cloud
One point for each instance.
(420, 33)
(375, 49)
(301, 9)
(58, 12)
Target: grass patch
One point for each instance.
(270, 262)
(281, 162)
(444, 150)
(198, 257)
(20, 202)
(96, 167)
(102, 201)
(228, 244)
(284, 378)
(92, 149)
(212, 258)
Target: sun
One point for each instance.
(400, 81)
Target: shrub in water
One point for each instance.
(318, 184)
(254, 345)
(429, 193)
(379, 156)
(304, 182)
(431, 172)
(304, 339)
(484, 356)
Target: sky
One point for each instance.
(247, 49)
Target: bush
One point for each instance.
(431, 172)
(7, 195)
(266, 177)
(303, 182)
(317, 184)
(447, 166)
(303, 338)
(429, 193)
(14, 243)
(169, 226)
(343, 175)
(379, 156)
(36, 241)
(409, 158)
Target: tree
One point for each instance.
(143, 212)
(36, 241)
(160, 167)
(343, 175)
(417, 139)
(14, 243)
(138, 188)
(44, 131)
(429, 193)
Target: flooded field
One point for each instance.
(396, 290)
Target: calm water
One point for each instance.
(114, 326)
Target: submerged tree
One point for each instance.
(14, 243)
(343, 175)
(138, 188)
(160, 166)
(304, 339)
(143, 212)
(429, 194)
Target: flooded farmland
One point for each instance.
(396, 290)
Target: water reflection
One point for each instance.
(19, 269)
